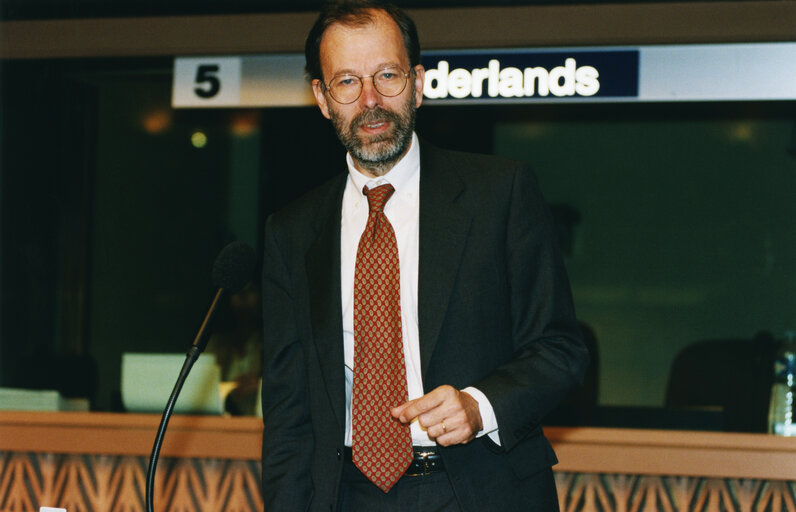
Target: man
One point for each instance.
(418, 319)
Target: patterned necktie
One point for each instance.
(381, 445)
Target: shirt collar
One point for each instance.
(399, 176)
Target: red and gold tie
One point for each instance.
(381, 445)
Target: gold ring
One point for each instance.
(444, 430)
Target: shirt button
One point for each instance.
(339, 455)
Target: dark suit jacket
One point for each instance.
(494, 309)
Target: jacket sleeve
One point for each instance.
(287, 432)
(549, 354)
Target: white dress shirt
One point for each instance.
(403, 212)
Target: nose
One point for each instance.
(370, 97)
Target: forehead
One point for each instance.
(362, 48)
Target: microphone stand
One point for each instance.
(199, 344)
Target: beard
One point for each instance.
(377, 153)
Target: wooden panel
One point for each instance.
(130, 434)
(580, 450)
(607, 24)
(661, 452)
(484, 27)
(97, 462)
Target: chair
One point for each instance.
(733, 374)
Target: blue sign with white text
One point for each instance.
(531, 75)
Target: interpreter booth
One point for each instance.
(663, 136)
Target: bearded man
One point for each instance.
(417, 315)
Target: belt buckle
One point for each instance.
(426, 468)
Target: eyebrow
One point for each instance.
(384, 65)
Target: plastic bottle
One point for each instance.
(781, 420)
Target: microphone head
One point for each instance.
(234, 267)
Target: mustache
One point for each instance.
(375, 115)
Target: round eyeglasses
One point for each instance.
(347, 88)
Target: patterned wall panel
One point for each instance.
(640, 493)
(95, 483)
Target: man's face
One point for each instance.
(375, 129)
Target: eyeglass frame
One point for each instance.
(406, 74)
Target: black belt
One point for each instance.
(426, 461)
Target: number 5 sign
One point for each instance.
(206, 82)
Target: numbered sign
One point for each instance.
(206, 82)
(718, 72)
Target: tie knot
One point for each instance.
(378, 196)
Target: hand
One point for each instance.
(448, 415)
(247, 384)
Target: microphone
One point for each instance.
(234, 267)
(232, 271)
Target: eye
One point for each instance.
(345, 81)
(388, 74)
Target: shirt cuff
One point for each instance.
(488, 420)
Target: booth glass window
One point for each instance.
(675, 221)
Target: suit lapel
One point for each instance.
(323, 279)
(443, 231)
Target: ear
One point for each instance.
(420, 79)
(320, 97)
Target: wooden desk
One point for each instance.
(98, 461)
(99, 433)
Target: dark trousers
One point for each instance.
(428, 493)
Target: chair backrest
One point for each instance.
(733, 374)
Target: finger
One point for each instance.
(399, 409)
(438, 430)
(450, 409)
(454, 429)
(459, 435)
(439, 403)
(437, 415)
(414, 408)
(452, 439)
(410, 411)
